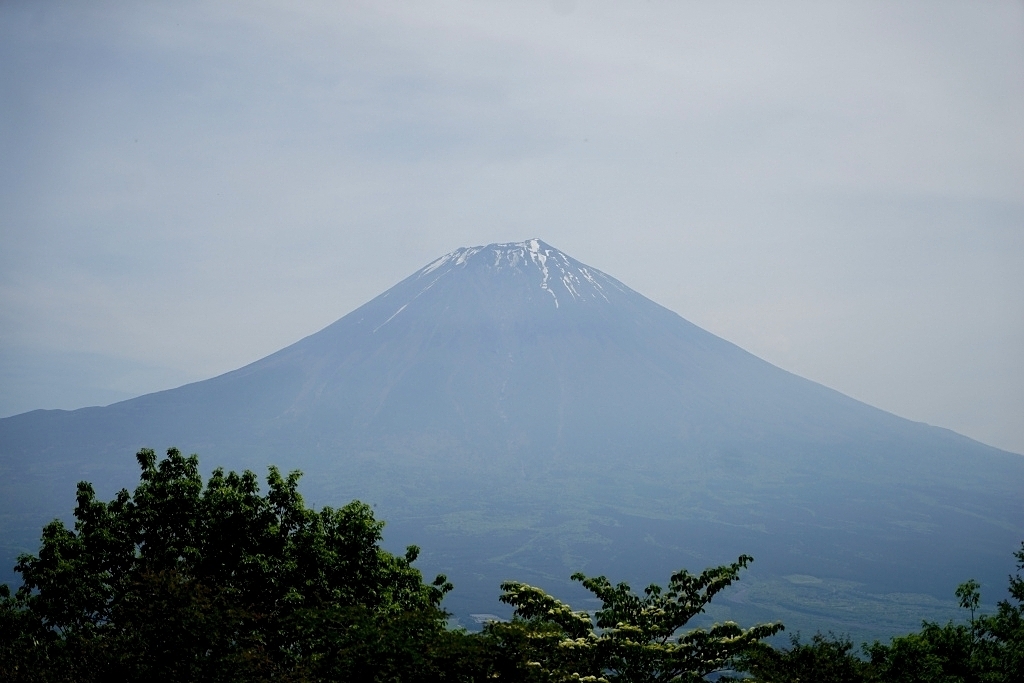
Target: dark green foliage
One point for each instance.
(936, 654)
(636, 639)
(826, 658)
(987, 649)
(178, 581)
(1003, 632)
(181, 581)
(939, 654)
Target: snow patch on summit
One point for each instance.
(559, 275)
(438, 263)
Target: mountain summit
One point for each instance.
(533, 263)
(521, 414)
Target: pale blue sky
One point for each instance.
(838, 188)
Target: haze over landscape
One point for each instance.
(674, 282)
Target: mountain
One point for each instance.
(520, 414)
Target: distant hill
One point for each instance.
(522, 415)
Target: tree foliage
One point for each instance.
(181, 581)
(633, 638)
(1003, 632)
(218, 581)
(985, 649)
(827, 657)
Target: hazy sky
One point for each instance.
(838, 188)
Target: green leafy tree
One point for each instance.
(633, 638)
(935, 654)
(181, 581)
(825, 658)
(987, 648)
(1003, 632)
(969, 596)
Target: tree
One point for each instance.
(969, 596)
(1003, 632)
(988, 648)
(634, 639)
(826, 658)
(178, 581)
(935, 654)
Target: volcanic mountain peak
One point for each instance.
(554, 272)
(519, 412)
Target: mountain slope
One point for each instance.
(530, 415)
